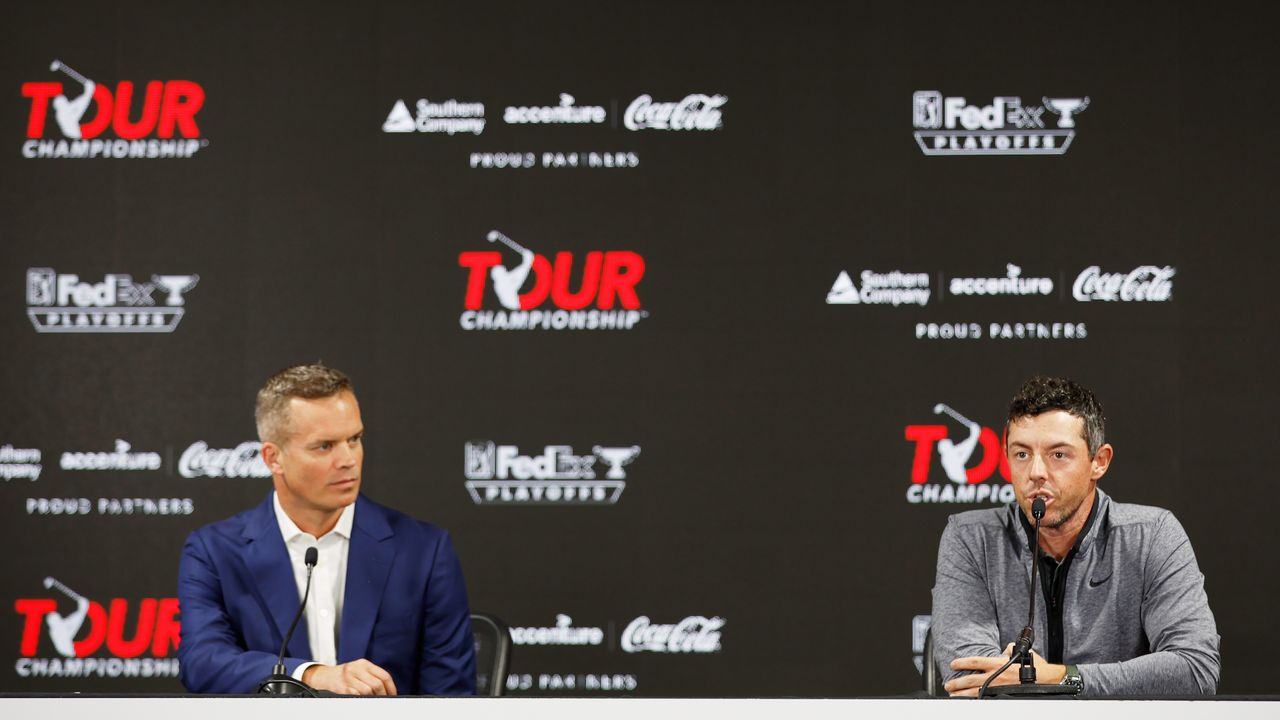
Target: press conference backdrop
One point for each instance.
(691, 323)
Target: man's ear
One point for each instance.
(1102, 461)
(271, 453)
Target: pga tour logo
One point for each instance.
(500, 475)
(62, 303)
(952, 126)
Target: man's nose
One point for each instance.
(1038, 471)
(346, 456)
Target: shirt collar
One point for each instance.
(1083, 540)
(289, 529)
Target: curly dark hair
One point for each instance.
(271, 412)
(1045, 394)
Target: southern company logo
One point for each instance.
(60, 303)
(951, 126)
(500, 475)
(607, 279)
(881, 288)
(967, 476)
(79, 637)
(163, 127)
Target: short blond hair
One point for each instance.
(271, 412)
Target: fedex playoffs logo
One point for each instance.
(968, 460)
(157, 120)
(137, 640)
(537, 293)
(951, 126)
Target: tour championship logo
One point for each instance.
(968, 459)
(61, 303)
(500, 475)
(537, 293)
(950, 126)
(161, 124)
(65, 634)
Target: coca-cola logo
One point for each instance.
(694, 634)
(694, 112)
(242, 461)
(1145, 283)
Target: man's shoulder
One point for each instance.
(399, 523)
(234, 526)
(984, 520)
(1121, 515)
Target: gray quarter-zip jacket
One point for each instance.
(1135, 617)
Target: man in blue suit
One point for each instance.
(387, 612)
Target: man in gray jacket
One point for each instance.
(1121, 607)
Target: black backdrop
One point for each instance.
(767, 512)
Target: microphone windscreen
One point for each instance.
(313, 555)
(1037, 507)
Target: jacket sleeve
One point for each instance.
(1184, 657)
(448, 664)
(964, 614)
(212, 657)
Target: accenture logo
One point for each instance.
(154, 121)
(500, 475)
(951, 126)
(62, 303)
(120, 459)
(538, 293)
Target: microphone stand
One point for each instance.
(280, 682)
(1027, 686)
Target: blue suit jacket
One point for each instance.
(405, 607)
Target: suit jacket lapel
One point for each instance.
(369, 561)
(268, 561)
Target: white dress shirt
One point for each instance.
(328, 581)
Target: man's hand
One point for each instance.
(967, 685)
(358, 677)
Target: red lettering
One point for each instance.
(924, 437)
(541, 284)
(40, 93)
(94, 128)
(168, 630)
(182, 100)
(117, 644)
(990, 457)
(34, 609)
(97, 622)
(479, 264)
(560, 294)
(126, 129)
(622, 270)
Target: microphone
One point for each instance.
(1027, 686)
(280, 682)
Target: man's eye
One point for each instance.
(324, 446)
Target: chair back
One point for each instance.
(493, 654)
(929, 672)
